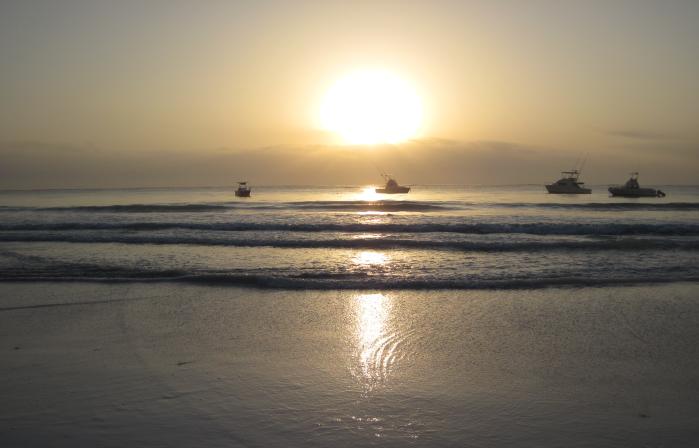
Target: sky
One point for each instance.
(175, 93)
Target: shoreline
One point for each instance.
(295, 285)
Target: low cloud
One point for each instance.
(427, 161)
(639, 134)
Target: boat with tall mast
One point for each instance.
(568, 184)
(392, 186)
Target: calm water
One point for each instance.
(350, 237)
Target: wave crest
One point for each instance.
(328, 282)
(626, 243)
(462, 228)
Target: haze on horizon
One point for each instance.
(160, 93)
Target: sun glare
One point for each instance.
(370, 258)
(368, 194)
(372, 107)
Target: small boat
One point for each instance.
(631, 189)
(243, 190)
(392, 186)
(568, 184)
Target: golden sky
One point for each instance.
(131, 80)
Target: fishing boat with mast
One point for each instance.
(568, 184)
(392, 186)
(243, 191)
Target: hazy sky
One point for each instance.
(127, 93)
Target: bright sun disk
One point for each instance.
(372, 107)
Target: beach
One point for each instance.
(167, 364)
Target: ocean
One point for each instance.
(349, 237)
(331, 316)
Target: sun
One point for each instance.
(371, 107)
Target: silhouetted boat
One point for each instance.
(568, 184)
(392, 186)
(243, 190)
(631, 189)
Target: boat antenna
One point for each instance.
(382, 173)
(584, 161)
(575, 165)
(638, 163)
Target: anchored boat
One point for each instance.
(631, 189)
(243, 190)
(392, 186)
(568, 184)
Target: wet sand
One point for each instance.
(178, 365)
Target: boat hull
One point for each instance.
(242, 194)
(636, 192)
(397, 190)
(556, 189)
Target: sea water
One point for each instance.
(435, 237)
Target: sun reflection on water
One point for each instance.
(371, 198)
(365, 236)
(370, 258)
(379, 346)
(368, 194)
(372, 311)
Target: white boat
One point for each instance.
(568, 184)
(392, 186)
(631, 189)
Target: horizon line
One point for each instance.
(232, 186)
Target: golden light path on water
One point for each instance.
(372, 313)
(378, 344)
(369, 194)
(369, 258)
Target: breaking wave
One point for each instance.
(333, 281)
(388, 206)
(627, 243)
(141, 208)
(463, 228)
(606, 206)
(362, 205)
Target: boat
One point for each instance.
(392, 186)
(568, 184)
(243, 190)
(631, 189)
